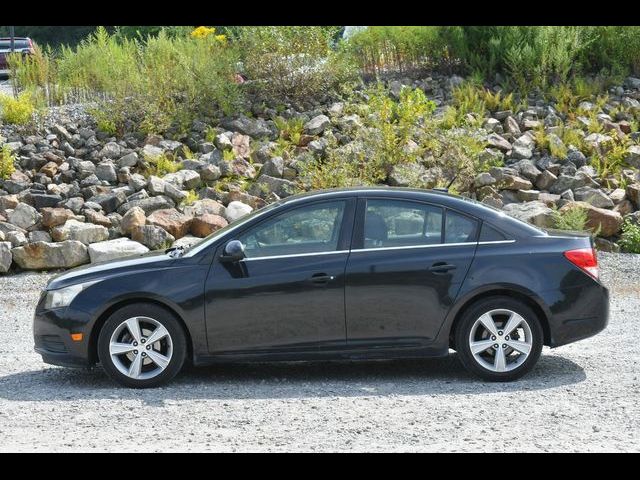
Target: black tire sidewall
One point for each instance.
(464, 329)
(167, 319)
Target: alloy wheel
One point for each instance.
(500, 340)
(141, 348)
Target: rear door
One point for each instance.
(407, 263)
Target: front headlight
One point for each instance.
(64, 296)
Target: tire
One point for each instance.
(505, 363)
(132, 363)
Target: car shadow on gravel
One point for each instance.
(437, 376)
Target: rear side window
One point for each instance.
(490, 234)
(460, 228)
(398, 223)
(19, 44)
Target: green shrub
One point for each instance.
(380, 49)
(573, 219)
(630, 238)
(190, 199)
(7, 159)
(397, 134)
(17, 111)
(228, 155)
(293, 62)
(153, 83)
(162, 165)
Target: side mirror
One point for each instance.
(233, 251)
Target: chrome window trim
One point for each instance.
(294, 255)
(491, 242)
(404, 247)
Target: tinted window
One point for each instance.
(396, 223)
(313, 228)
(490, 234)
(19, 44)
(459, 228)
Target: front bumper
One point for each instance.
(52, 330)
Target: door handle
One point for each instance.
(441, 267)
(321, 278)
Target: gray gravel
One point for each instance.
(581, 397)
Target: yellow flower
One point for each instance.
(221, 38)
(202, 32)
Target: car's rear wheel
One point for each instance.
(141, 346)
(499, 339)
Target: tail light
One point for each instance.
(585, 259)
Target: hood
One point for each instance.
(99, 271)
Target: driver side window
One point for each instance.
(308, 229)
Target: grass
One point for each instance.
(162, 165)
(572, 219)
(630, 237)
(190, 199)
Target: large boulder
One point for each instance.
(523, 147)
(594, 196)
(605, 222)
(152, 236)
(149, 204)
(45, 256)
(83, 232)
(52, 217)
(535, 212)
(106, 171)
(633, 156)
(496, 141)
(112, 249)
(633, 193)
(513, 182)
(254, 127)
(187, 179)
(24, 216)
(206, 224)
(5, 256)
(408, 174)
(133, 219)
(110, 201)
(317, 125)
(206, 205)
(236, 210)
(110, 150)
(238, 167)
(274, 167)
(266, 185)
(171, 220)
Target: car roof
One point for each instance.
(494, 216)
(15, 38)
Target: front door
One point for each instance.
(288, 293)
(406, 267)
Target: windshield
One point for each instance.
(206, 241)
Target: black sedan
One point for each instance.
(364, 273)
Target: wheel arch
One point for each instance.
(521, 295)
(102, 318)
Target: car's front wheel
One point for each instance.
(142, 345)
(499, 339)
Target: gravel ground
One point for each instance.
(581, 397)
